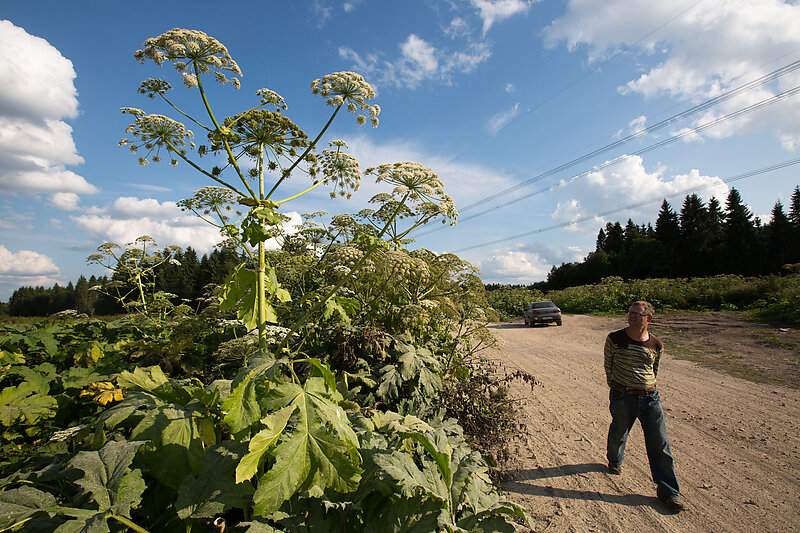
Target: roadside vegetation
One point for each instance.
(333, 384)
(773, 297)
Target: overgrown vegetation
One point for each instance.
(325, 386)
(771, 297)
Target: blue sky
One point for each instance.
(491, 95)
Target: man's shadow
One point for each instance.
(520, 483)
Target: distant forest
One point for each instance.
(187, 279)
(697, 241)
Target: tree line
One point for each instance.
(187, 278)
(702, 239)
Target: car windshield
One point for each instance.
(540, 305)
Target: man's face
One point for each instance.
(637, 316)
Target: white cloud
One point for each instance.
(513, 266)
(625, 183)
(458, 27)
(67, 201)
(37, 92)
(464, 182)
(128, 217)
(498, 121)
(713, 46)
(25, 263)
(492, 11)
(419, 54)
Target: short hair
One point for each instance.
(648, 307)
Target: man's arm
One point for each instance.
(657, 359)
(608, 359)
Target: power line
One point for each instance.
(690, 131)
(791, 67)
(573, 83)
(738, 177)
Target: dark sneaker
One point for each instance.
(672, 503)
(615, 469)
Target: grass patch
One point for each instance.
(716, 360)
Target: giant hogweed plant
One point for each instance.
(279, 446)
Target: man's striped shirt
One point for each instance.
(632, 363)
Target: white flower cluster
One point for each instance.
(154, 132)
(191, 48)
(350, 90)
(341, 170)
(344, 254)
(421, 185)
(272, 98)
(403, 268)
(412, 313)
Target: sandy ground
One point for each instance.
(736, 442)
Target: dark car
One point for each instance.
(542, 313)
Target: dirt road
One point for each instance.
(736, 443)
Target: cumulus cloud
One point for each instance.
(492, 11)
(513, 266)
(627, 182)
(67, 201)
(127, 218)
(464, 182)
(24, 263)
(498, 121)
(705, 49)
(36, 94)
(419, 61)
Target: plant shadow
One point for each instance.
(520, 484)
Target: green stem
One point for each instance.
(339, 285)
(203, 171)
(134, 526)
(311, 146)
(224, 139)
(262, 266)
(173, 106)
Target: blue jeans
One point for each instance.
(625, 409)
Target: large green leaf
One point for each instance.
(214, 490)
(406, 515)
(402, 468)
(18, 504)
(24, 402)
(310, 453)
(107, 476)
(40, 380)
(179, 439)
(263, 441)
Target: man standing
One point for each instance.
(631, 363)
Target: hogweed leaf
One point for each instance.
(241, 408)
(292, 467)
(108, 478)
(263, 441)
(23, 402)
(18, 504)
(214, 490)
(402, 468)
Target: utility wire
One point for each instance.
(791, 67)
(738, 177)
(678, 136)
(572, 84)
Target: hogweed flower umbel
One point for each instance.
(422, 186)
(341, 170)
(350, 90)
(189, 49)
(154, 132)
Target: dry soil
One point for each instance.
(736, 441)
